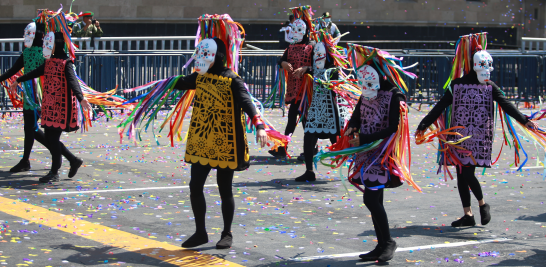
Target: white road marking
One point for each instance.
(21, 150)
(448, 245)
(121, 190)
(534, 167)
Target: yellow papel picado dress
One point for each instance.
(216, 136)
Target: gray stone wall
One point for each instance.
(490, 13)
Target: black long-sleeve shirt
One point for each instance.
(394, 117)
(240, 94)
(71, 79)
(19, 64)
(447, 100)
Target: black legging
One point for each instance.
(293, 119)
(57, 149)
(309, 143)
(224, 180)
(465, 179)
(373, 199)
(32, 132)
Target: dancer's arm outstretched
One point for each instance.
(436, 111)
(19, 64)
(187, 82)
(37, 72)
(507, 106)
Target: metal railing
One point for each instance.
(116, 43)
(533, 44)
(521, 77)
(447, 46)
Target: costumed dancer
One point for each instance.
(381, 143)
(296, 61)
(62, 96)
(31, 58)
(325, 118)
(216, 137)
(469, 108)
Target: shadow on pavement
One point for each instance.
(537, 218)
(288, 184)
(30, 181)
(113, 255)
(533, 260)
(446, 232)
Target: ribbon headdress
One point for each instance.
(466, 46)
(333, 53)
(224, 28)
(56, 21)
(388, 66)
(304, 13)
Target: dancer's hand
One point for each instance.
(355, 141)
(287, 66)
(350, 131)
(419, 133)
(300, 72)
(532, 125)
(262, 137)
(13, 86)
(85, 105)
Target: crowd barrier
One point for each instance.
(521, 77)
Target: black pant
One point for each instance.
(224, 180)
(293, 119)
(309, 143)
(373, 199)
(466, 179)
(32, 132)
(57, 148)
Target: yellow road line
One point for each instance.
(162, 251)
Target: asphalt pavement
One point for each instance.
(129, 206)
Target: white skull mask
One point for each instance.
(204, 55)
(30, 34)
(298, 30)
(483, 65)
(49, 43)
(319, 55)
(368, 79)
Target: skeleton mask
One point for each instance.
(49, 42)
(204, 55)
(368, 79)
(483, 65)
(319, 57)
(30, 33)
(298, 30)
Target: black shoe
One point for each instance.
(280, 153)
(464, 221)
(308, 176)
(225, 241)
(22, 166)
(388, 251)
(484, 213)
(372, 255)
(196, 239)
(74, 167)
(50, 177)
